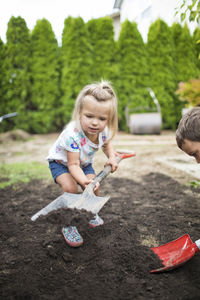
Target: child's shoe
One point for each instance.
(72, 236)
(97, 221)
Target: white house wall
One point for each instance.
(145, 12)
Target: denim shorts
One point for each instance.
(58, 169)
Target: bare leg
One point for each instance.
(70, 233)
(67, 183)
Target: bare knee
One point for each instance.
(69, 189)
(67, 183)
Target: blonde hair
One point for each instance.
(101, 92)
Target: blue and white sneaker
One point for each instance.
(97, 221)
(72, 236)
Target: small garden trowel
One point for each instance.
(176, 253)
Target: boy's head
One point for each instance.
(188, 133)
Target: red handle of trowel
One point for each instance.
(104, 173)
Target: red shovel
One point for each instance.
(176, 253)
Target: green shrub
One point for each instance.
(189, 92)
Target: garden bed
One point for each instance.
(115, 259)
(151, 204)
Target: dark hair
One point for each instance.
(189, 127)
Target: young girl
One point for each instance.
(94, 124)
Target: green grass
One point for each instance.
(12, 174)
(195, 183)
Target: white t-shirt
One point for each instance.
(73, 139)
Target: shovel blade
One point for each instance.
(175, 253)
(91, 203)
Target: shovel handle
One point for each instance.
(104, 173)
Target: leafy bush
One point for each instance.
(189, 92)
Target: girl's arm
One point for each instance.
(73, 163)
(110, 153)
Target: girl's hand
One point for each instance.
(96, 188)
(88, 181)
(85, 183)
(112, 161)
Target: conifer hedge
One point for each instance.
(103, 47)
(132, 81)
(76, 64)
(16, 73)
(41, 79)
(196, 41)
(2, 77)
(44, 100)
(162, 80)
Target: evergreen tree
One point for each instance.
(196, 40)
(101, 37)
(76, 63)
(45, 93)
(17, 77)
(185, 55)
(161, 69)
(132, 76)
(2, 76)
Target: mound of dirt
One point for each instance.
(115, 259)
(15, 135)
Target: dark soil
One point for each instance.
(114, 261)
